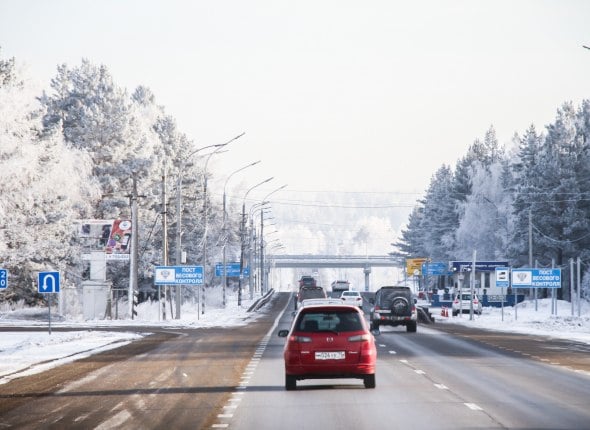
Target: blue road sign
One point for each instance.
(232, 270)
(480, 266)
(178, 275)
(502, 277)
(536, 278)
(435, 268)
(48, 282)
(3, 278)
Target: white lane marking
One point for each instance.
(220, 426)
(382, 345)
(392, 352)
(404, 361)
(441, 386)
(473, 407)
(420, 372)
(225, 415)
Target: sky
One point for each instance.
(31, 352)
(333, 95)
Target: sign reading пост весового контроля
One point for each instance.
(178, 275)
(536, 278)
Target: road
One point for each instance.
(445, 376)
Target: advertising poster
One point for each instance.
(111, 236)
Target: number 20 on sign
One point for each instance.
(3, 278)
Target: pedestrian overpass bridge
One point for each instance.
(308, 261)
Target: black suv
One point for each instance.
(394, 306)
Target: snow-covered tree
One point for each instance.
(45, 187)
(439, 217)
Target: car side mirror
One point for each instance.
(283, 333)
(415, 300)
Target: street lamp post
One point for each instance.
(242, 231)
(252, 246)
(224, 263)
(262, 239)
(179, 213)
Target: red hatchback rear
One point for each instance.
(329, 341)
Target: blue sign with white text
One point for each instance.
(178, 275)
(3, 278)
(48, 282)
(536, 278)
(480, 266)
(432, 269)
(232, 270)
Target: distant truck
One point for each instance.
(338, 287)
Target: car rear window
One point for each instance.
(350, 293)
(311, 293)
(338, 321)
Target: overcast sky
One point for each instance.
(333, 95)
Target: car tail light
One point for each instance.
(300, 339)
(360, 338)
(475, 302)
(456, 301)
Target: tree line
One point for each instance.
(495, 195)
(68, 153)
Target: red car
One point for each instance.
(329, 341)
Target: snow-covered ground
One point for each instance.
(30, 352)
(23, 353)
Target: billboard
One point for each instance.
(111, 236)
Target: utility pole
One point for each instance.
(530, 247)
(262, 251)
(164, 240)
(134, 245)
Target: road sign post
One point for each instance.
(502, 281)
(47, 283)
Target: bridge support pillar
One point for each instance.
(367, 271)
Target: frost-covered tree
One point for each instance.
(439, 217)
(411, 242)
(45, 187)
(559, 222)
(483, 222)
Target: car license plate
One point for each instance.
(332, 355)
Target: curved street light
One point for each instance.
(224, 263)
(262, 240)
(242, 228)
(217, 147)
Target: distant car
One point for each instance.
(464, 305)
(353, 298)
(309, 293)
(393, 306)
(326, 342)
(307, 281)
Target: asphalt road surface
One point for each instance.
(444, 376)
